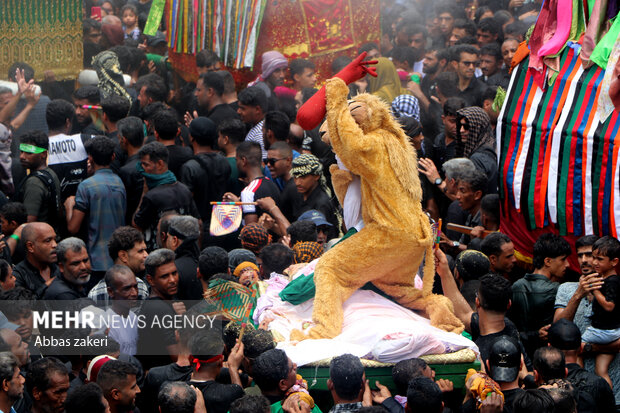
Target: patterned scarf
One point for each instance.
(307, 251)
(479, 127)
(110, 76)
(308, 164)
(254, 237)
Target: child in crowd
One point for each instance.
(129, 16)
(605, 327)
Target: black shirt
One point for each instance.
(207, 176)
(443, 152)
(485, 342)
(155, 337)
(61, 289)
(218, 397)
(608, 320)
(120, 156)
(190, 287)
(473, 93)
(501, 78)
(318, 200)
(134, 184)
(289, 198)
(156, 377)
(177, 156)
(170, 197)
(222, 112)
(29, 277)
(587, 382)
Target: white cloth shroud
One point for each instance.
(374, 328)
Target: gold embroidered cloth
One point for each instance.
(46, 34)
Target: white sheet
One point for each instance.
(374, 327)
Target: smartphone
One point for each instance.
(95, 13)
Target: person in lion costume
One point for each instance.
(390, 247)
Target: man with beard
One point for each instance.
(40, 190)
(85, 96)
(47, 381)
(273, 73)
(501, 252)
(210, 98)
(74, 265)
(12, 381)
(156, 342)
(435, 61)
(117, 379)
(569, 300)
(464, 61)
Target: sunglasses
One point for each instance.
(272, 161)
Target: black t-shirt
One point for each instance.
(289, 198)
(587, 382)
(472, 95)
(171, 197)
(134, 184)
(206, 175)
(29, 277)
(177, 156)
(190, 287)
(156, 336)
(318, 200)
(485, 342)
(218, 397)
(608, 320)
(156, 377)
(260, 187)
(222, 112)
(60, 289)
(443, 152)
(120, 156)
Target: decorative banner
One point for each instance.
(155, 15)
(329, 25)
(229, 28)
(558, 161)
(225, 219)
(46, 34)
(233, 300)
(318, 30)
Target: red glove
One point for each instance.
(313, 111)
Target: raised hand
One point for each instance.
(357, 69)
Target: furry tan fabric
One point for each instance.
(397, 233)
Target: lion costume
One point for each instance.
(390, 248)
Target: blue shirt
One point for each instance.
(103, 198)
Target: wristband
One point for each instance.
(15, 237)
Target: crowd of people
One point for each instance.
(106, 197)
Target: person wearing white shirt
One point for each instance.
(122, 323)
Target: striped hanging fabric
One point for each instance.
(230, 28)
(558, 159)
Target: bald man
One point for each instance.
(39, 269)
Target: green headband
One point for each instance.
(26, 147)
